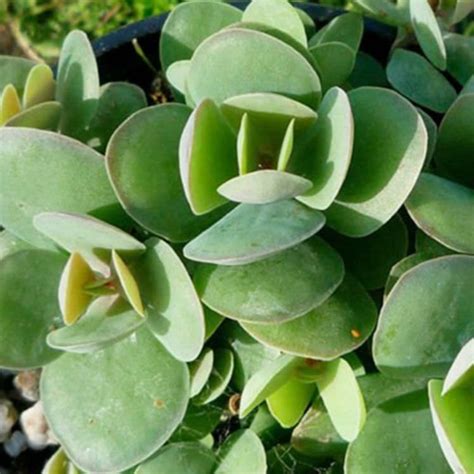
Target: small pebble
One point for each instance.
(36, 428)
(27, 383)
(8, 417)
(16, 444)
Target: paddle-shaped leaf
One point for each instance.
(39, 86)
(134, 389)
(407, 341)
(207, 157)
(29, 307)
(10, 244)
(443, 210)
(44, 116)
(367, 72)
(239, 61)
(323, 154)
(461, 373)
(274, 290)
(200, 370)
(264, 186)
(10, 104)
(14, 71)
(174, 312)
(177, 75)
(339, 325)
(460, 51)
(286, 147)
(108, 320)
(385, 9)
(385, 164)
(252, 232)
(408, 73)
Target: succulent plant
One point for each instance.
(270, 273)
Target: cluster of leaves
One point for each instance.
(162, 264)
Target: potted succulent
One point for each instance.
(270, 273)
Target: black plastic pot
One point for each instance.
(118, 60)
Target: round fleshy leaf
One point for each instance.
(385, 164)
(323, 154)
(10, 244)
(453, 154)
(461, 373)
(14, 71)
(28, 307)
(443, 210)
(174, 312)
(252, 232)
(278, 14)
(428, 32)
(107, 321)
(367, 71)
(219, 378)
(398, 433)
(90, 237)
(409, 72)
(392, 14)
(460, 51)
(207, 157)
(425, 244)
(336, 327)
(454, 11)
(10, 104)
(189, 25)
(264, 186)
(342, 398)
(44, 116)
(407, 341)
(286, 147)
(266, 381)
(288, 403)
(212, 321)
(334, 63)
(371, 258)
(274, 290)
(39, 86)
(186, 457)
(127, 283)
(73, 174)
(73, 299)
(134, 389)
(137, 154)
(177, 75)
(453, 425)
(117, 101)
(432, 130)
(241, 452)
(239, 61)
(77, 86)
(200, 371)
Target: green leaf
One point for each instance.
(212, 322)
(274, 290)
(185, 458)
(241, 453)
(455, 10)
(371, 258)
(133, 389)
(342, 398)
(77, 84)
(384, 10)
(385, 164)
(453, 426)
(339, 325)
(443, 210)
(267, 428)
(264, 187)
(409, 73)
(461, 373)
(286, 147)
(175, 314)
(428, 32)
(398, 437)
(323, 154)
(460, 51)
(207, 157)
(137, 154)
(408, 342)
(107, 321)
(73, 174)
(252, 232)
(266, 381)
(177, 75)
(10, 244)
(200, 371)
(367, 72)
(432, 130)
(29, 307)
(288, 403)
(453, 154)
(90, 237)
(59, 463)
(219, 378)
(10, 104)
(425, 244)
(334, 63)
(14, 71)
(189, 25)
(278, 14)
(239, 61)
(39, 86)
(44, 116)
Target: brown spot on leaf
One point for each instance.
(355, 333)
(158, 403)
